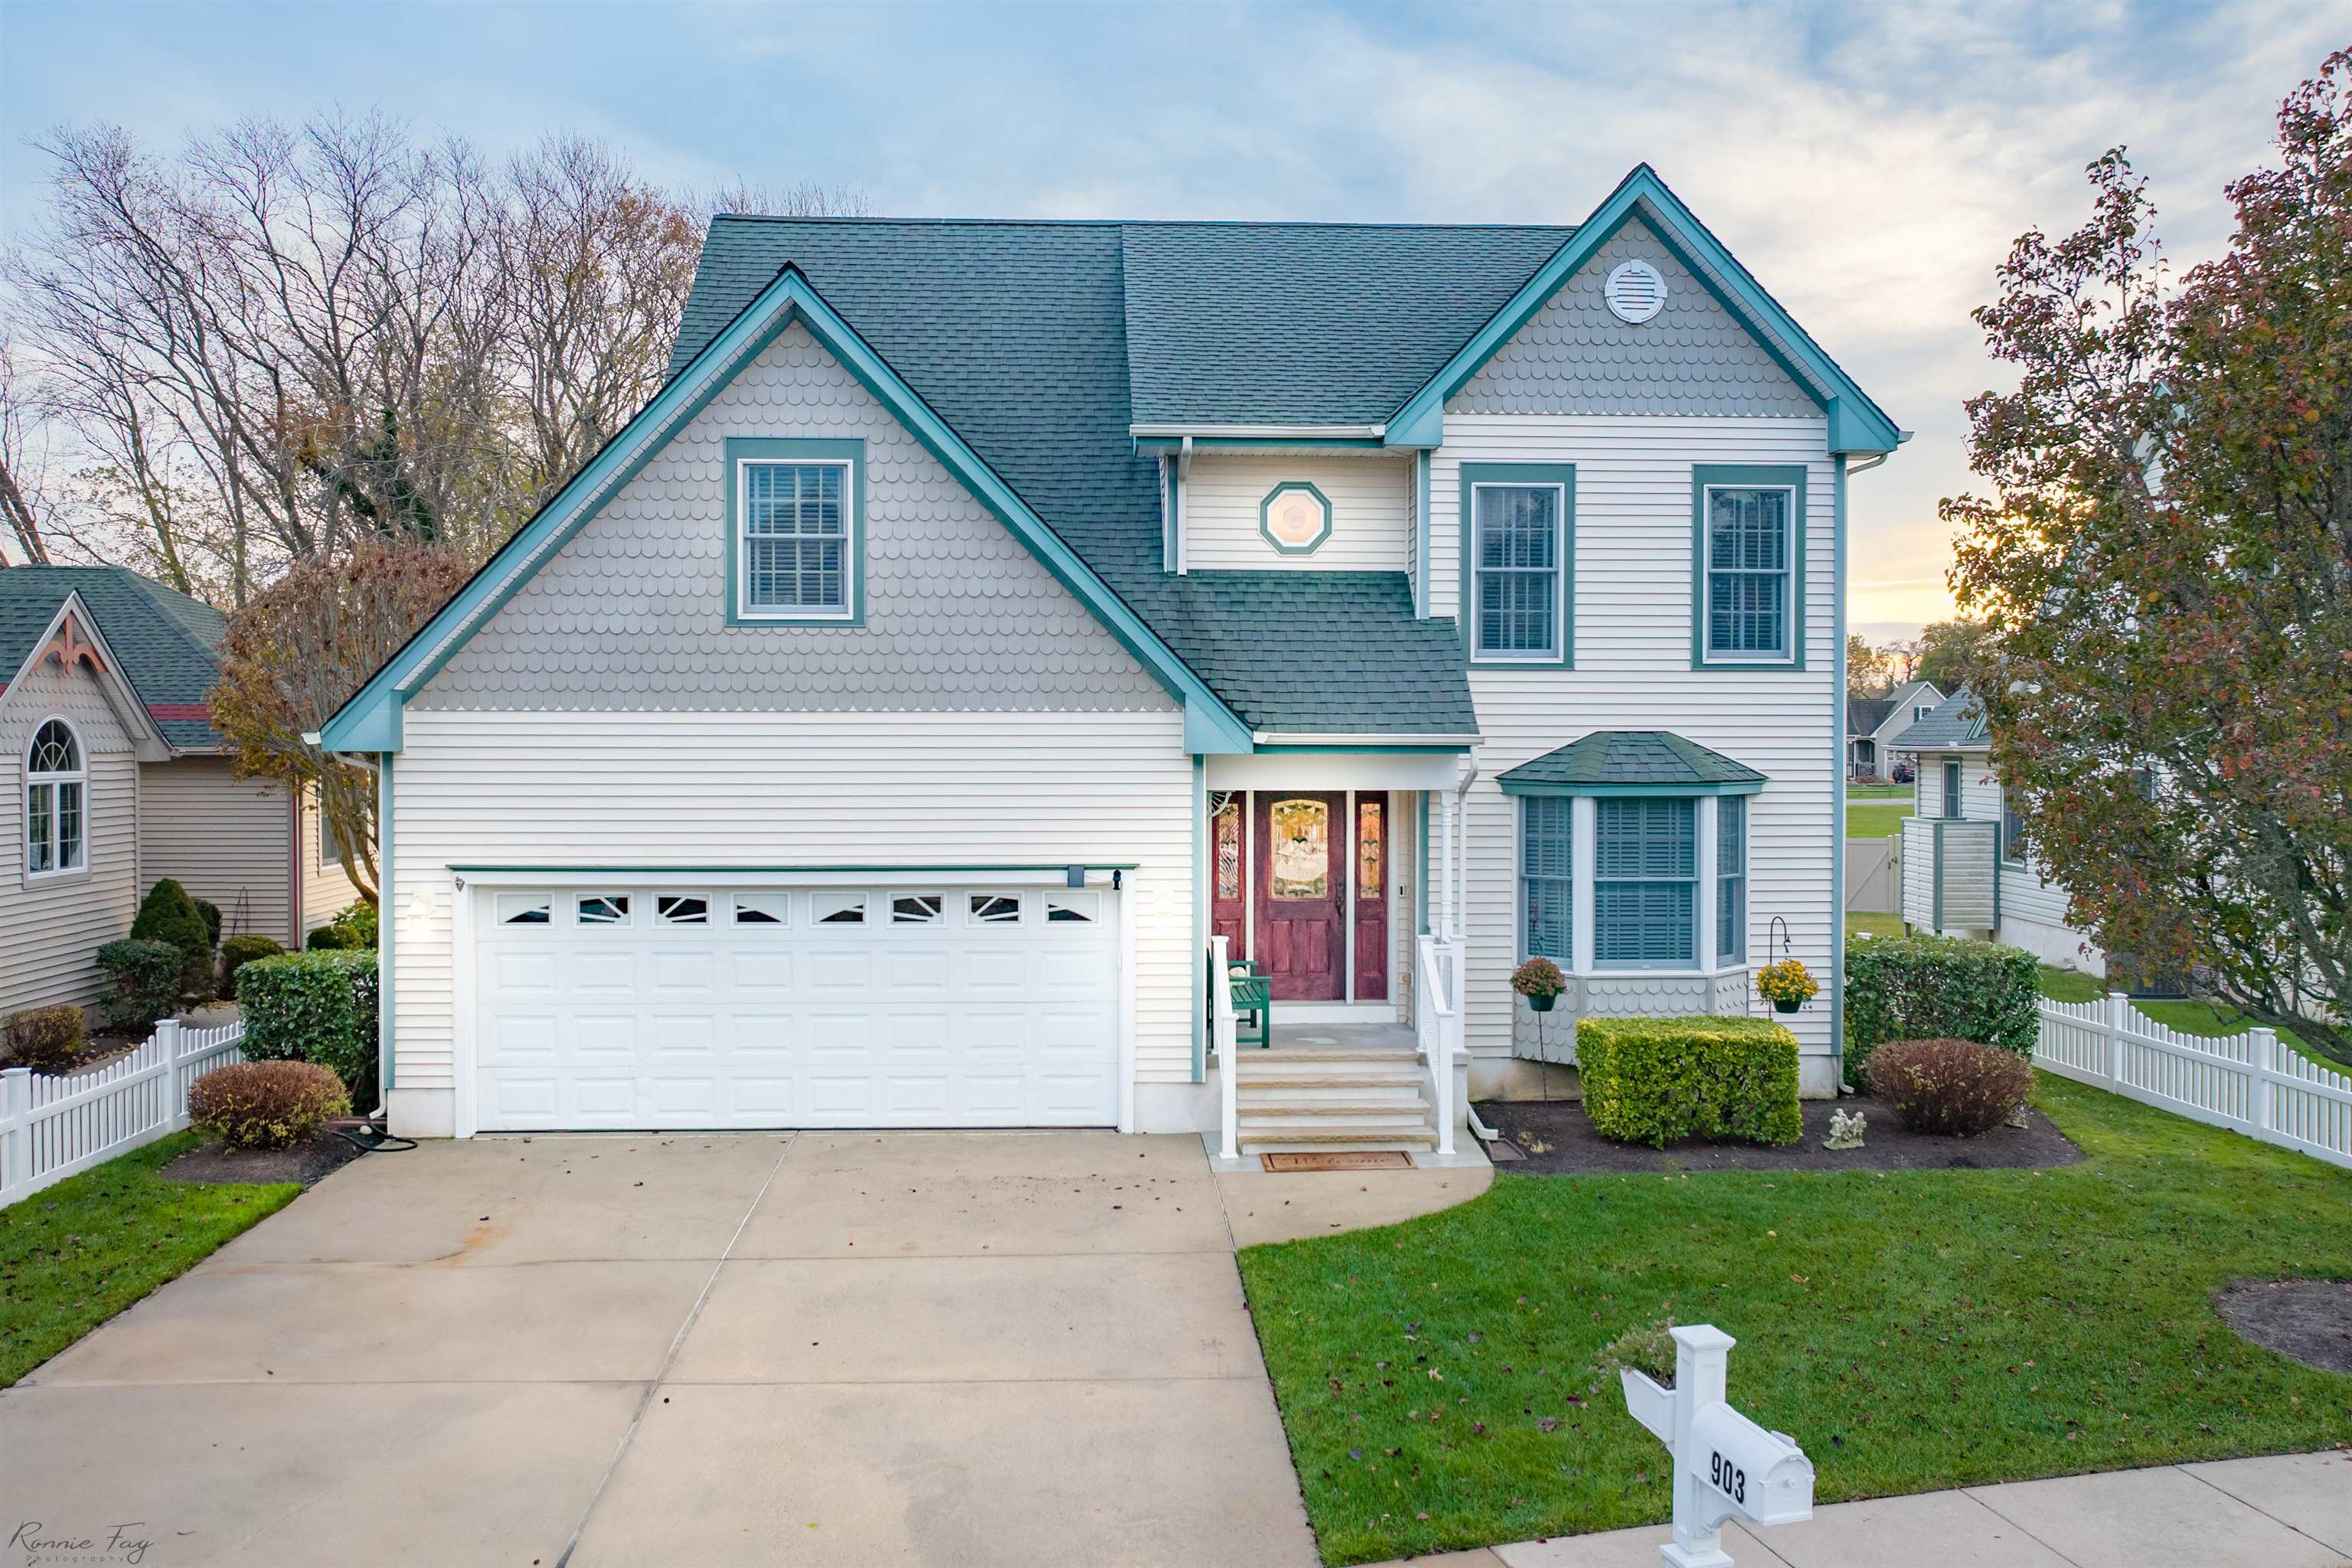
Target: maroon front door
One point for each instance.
(1372, 898)
(1302, 891)
(1228, 909)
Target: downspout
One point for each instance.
(1837, 791)
(1183, 478)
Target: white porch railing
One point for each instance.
(54, 1127)
(2245, 1082)
(1437, 1019)
(1220, 1044)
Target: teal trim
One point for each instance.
(387, 922)
(1735, 786)
(1837, 786)
(1149, 444)
(776, 871)
(1446, 749)
(740, 449)
(1938, 834)
(1762, 474)
(1561, 474)
(1856, 424)
(1265, 516)
(1201, 918)
(1420, 531)
(790, 297)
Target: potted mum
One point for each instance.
(1540, 982)
(1787, 984)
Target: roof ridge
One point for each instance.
(1139, 223)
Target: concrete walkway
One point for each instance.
(825, 1349)
(2293, 1510)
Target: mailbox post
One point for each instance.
(1724, 1466)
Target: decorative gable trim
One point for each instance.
(370, 720)
(1857, 426)
(72, 638)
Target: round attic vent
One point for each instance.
(1635, 291)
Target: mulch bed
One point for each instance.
(321, 1154)
(1556, 1137)
(2309, 1320)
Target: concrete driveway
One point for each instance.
(954, 1349)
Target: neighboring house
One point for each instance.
(988, 613)
(112, 777)
(1964, 873)
(1873, 722)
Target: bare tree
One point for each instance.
(807, 199)
(18, 458)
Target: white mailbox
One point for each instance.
(1724, 1466)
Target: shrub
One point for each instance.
(264, 1105)
(314, 1007)
(168, 914)
(360, 921)
(1938, 987)
(1652, 1081)
(239, 951)
(210, 913)
(144, 980)
(1955, 1087)
(328, 938)
(47, 1040)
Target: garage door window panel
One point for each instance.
(682, 908)
(604, 909)
(840, 908)
(763, 909)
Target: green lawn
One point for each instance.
(75, 1254)
(1858, 923)
(1878, 792)
(2200, 1019)
(1876, 819)
(1913, 1331)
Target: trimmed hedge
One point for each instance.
(1938, 987)
(144, 980)
(1653, 1080)
(47, 1040)
(210, 913)
(239, 951)
(168, 914)
(314, 1007)
(264, 1105)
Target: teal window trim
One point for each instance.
(2010, 855)
(1265, 518)
(741, 451)
(1735, 786)
(1953, 783)
(1547, 879)
(1473, 476)
(370, 720)
(1421, 595)
(1747, 476)
(1731, 881)
(1642, 882)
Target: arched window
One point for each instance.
(57, 784)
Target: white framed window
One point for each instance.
(839, 908)
(603, 909)
(1748, 578)
(525, 909)
(682, 908)
(2012, 847)
(1952, 790)
(918, 909)
(796, 544)
(1518, 567)
(763, 909)
(995, 909)
(56, 802)
(1072, 909)
(1645, 882)
(1548, 878)
(1731, 880)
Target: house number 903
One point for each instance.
(1729, 1478)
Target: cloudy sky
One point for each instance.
(1869, 162)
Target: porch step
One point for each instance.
(1291, 1056)
(1261, 1139)
(1331, 1080)
(1352, 1121)
(1263, 1097)
(1258, 1110)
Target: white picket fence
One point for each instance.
(54, 1127)
(2247, 1082)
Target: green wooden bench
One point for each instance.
(1253, 1001)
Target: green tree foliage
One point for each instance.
(2164, 568)
(1947, 649)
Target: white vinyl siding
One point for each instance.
(326, 890)
(869, 790)
(52, 927)
(1372, 512)
(1633, 615)
(223, 838)
(2033, 912)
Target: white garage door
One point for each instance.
(645, 1007)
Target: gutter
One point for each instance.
(1259, 432)
(1278, 738)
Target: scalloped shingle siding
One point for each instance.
(1576, 357)
(630, 614)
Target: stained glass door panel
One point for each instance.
(1372, 871)
(1303, 881)
(1228, 866)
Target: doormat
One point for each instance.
(1341, 1159)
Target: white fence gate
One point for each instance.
(2246, 1082)
(54, 1127)
(1873, 876)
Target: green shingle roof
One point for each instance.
(1630, 759)
(165, 641)
(1955, 724)
(1017, 335)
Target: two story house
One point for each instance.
(989, 615)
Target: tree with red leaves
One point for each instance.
(2164, 568)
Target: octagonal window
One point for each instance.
(1294, 517)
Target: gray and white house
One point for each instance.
(1872, 724)
(987, 615)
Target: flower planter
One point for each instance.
(1786, 1006)
(1543, 1004)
